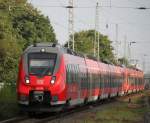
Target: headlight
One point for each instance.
(42, 50)
(27, 81)
(53, 79)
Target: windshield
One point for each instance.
(41, 63)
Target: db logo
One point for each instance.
(40, 81)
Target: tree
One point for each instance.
(20, 26)
(10, 51)
(124, 61)
(31, 25)
(84, 42)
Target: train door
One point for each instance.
(69, 79)
(78, 80)
(87, 71)
(102, 84)
(109, 78)
(90, 84)
(102, 81)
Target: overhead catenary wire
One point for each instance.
(61, 4)
(84, 7)
(60, 25)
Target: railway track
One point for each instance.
(55, 116)
(14, 120)
(72, 111)
(58, 116)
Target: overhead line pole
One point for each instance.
(117, 42)
(96, 41)
(71, 24)
(125, 46)
(144, 62)
(98, 31)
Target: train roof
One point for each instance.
(63, 49)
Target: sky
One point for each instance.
(133, 24)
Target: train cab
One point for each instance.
(41, 76)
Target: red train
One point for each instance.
(52, 77)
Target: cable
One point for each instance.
(119, 7)
(92, 1)
(135, 1)
(84, 7)
(47, 6)
(143, 42)
(60, 25)
(60, 3)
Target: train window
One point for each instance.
(41, 63)
(136, 82)
(101, 80)
(104, 81)
(103, 86)
(83, 82)
(114, 80)
(72, 73)
(98, 80)
(67, 73)
(140, 81)
(111, 81)
(76, 73)
(94, 82)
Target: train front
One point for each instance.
(41, 79)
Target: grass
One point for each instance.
(121, 112)
(8, 104)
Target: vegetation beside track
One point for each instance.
(20, 25)
(122, 111)
(8, 104)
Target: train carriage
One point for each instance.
(76, 79)
(52, 78)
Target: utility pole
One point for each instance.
(71, 24)
(129, 52)
(125, 45)
(96, 41)
(144, 62)
(117, 42)
(130, 49)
